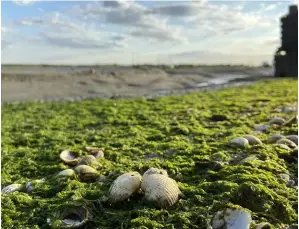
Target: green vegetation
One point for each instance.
(177, 133)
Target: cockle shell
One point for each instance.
(66, 173)
(262, 127)
(12, 188)
(89, 160)
(86, 172)
(74, 217)
(243, 142)
(69, 158)
(287, 142)
(293, 138)
(124, 187)
(159, 188)
(253, 140)
(94, 151)
(277, 121)
(231, 219)
(282, 146)
(274, 138)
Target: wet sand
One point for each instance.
(22, 83)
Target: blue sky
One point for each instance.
(135, 32)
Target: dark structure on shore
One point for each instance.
(286, 57)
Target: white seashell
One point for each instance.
(293, 138)
(159, 188)
(12, 188)
(231, 219)
(277, 121)
(262, 127)
(253, 140)
(96, 152)
(86, 172)
(151, 171)
(287, 142)
(124, 187)
(243, 142)
(66, 173)
(274, 138)
(69, 158)
(89, 160)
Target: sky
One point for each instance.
(141, 32)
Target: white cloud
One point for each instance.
(23, 2)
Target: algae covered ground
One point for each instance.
(186, 135)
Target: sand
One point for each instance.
(21, 83)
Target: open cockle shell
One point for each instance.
(73, 217)
(160, 189)
(124, 187)
(94, 151)
(231, 219)
(69, 158)
(13, 188)
(86, 172)
(243, 142)
(253, 140)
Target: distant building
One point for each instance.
(286, 56)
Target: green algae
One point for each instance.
(186, 135)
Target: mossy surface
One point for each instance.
(176, 133)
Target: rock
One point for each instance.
(274, 138)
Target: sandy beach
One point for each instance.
(22, 83)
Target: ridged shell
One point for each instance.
(287, 142)
(66, 173)
(282, 146)
(277, 121)
(160, 189)
(86, 172)
(231, 219)
(89, 160)
(69, 158)
(293, 138)
(243, 142)
(12, 188)
(74, 217)
(262, 127)
(124, 187)
(151, 171)
(94, 151)
(253, 140)
(274, 138)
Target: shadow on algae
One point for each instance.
(176, 133)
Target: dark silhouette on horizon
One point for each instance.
(286, 57)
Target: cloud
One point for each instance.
(23, 2)
(134, 18)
